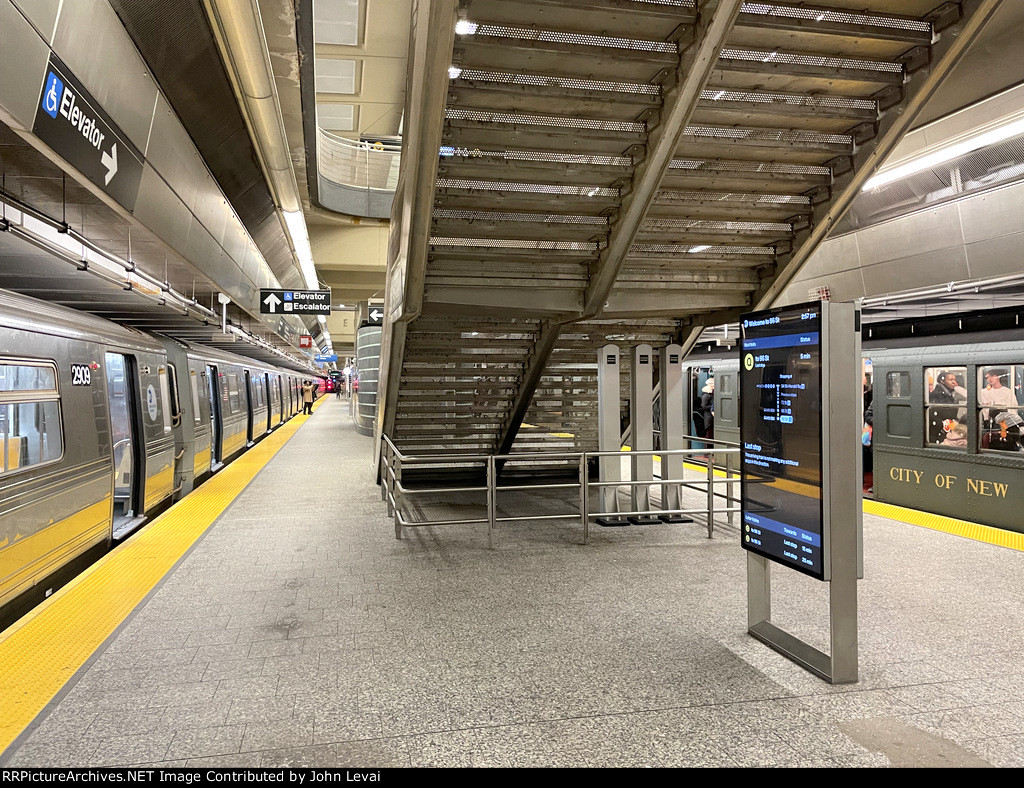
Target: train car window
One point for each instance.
(165, 397)
(194, 379)
(233, 399)
(172, 381)
(27, 377)
(31, 432)
(897, 385)
(999, 417)
(946, 419)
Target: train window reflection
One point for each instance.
(999, 418)
(945, 417)
(233, 400)
(897, 385)
(25, 377)
(30, 431)
(195, 395)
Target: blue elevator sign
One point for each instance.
(73, 124)
(323, 358)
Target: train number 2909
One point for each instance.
(81, 375)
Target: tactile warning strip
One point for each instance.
(936, 522)
(949, 525)
(44, 649)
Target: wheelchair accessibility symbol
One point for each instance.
(52, 95)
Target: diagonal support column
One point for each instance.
(714, 23)
(549, 333)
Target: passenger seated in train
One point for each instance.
(956, 434)
(946, 398)
(947, 389)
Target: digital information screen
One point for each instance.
(781, 436)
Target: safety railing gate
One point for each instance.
(716, 478)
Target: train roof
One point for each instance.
(23, 313)
(206, 353)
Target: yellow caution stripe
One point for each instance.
(950, 525)
(46, 647)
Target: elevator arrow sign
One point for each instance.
(74, 125)
(295, 302)
(272, 302)
(109, 160)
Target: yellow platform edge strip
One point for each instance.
(950, 525)
(46, 647)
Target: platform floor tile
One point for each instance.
(300, 632)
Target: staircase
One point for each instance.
(593, 171)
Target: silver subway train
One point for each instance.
(102, 426)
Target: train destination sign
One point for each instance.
(73, 124)
(781, 436)
(295, 302)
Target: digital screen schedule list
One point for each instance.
(780, 434)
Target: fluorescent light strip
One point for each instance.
(296, 223)
(944, 154)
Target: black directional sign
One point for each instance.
(375, 316)
(71, 121)
(295, 302)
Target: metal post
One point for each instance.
(395, 481)
(491, 503)
(641, 420)
(730, 498)
(584, 497)
(609, 430)
(711, 491)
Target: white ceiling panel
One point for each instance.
(336, 22)
(335, 76)
(336, 117)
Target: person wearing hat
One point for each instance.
(707, 407)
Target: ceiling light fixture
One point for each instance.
(465, 28)
(296, 225)
(979, 138)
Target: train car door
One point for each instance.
(699, 377)
(265, 382)
(126, 438)
(216, 419)
(250, 407)
(280, 398)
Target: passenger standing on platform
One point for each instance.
(307, 398)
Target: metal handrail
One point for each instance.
(394, 492)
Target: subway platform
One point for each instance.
(297, 631)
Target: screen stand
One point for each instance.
(841, 666)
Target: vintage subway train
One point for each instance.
(948, 423)
(102, 426)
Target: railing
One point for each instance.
(358, 165)
(715, 455)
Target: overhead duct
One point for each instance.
(238, 28)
